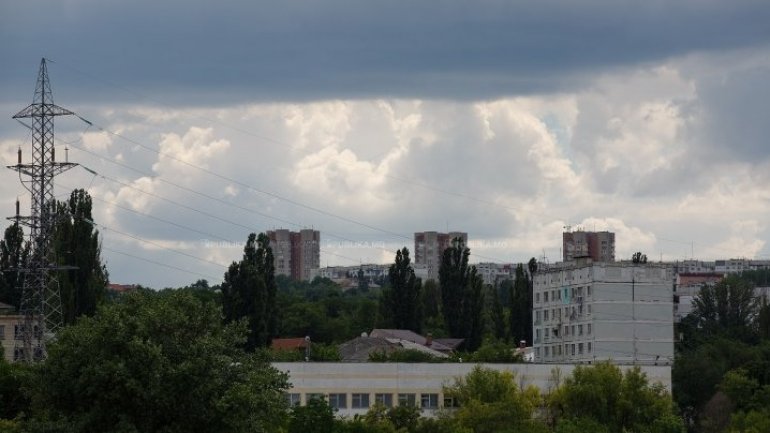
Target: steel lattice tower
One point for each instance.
(41, 300)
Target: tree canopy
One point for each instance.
(401, 301)
(249, 291)
(76, 244)
(155, 362)
(462, 295)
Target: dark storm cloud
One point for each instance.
(300, 50)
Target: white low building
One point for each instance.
(621, 311)
(352, 388)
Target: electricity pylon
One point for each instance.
(40, 300)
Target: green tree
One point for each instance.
(13, 254)
(728, 307)
(496, 352)
(249, 291)
(462, 295)
(491, 402)
(497, 315)
(620, 402)
(13, 378)
(401, 301)
(76, 243)
(433, 320)
(520, 307)
(155, 362)
(316, 416)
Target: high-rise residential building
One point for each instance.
(585, 311)
(429, 248)
(598, 246)
(296, 254)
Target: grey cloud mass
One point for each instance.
(204, 52)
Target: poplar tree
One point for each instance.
(401, 301)
(249, 291)
(13, 253)
(76, 246)
(462, 295)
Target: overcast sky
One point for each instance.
(370, 120)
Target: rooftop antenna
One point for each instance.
(40, 300)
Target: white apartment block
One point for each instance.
(585, 311)
(494, 273)
(723, 266)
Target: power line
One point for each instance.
(165, 265)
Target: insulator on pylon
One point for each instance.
(17, 206)
(20, 156)
(53, 154)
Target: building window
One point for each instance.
(566, 330)
(384, 399)
(359, 401)
(406, 400)
(313, 396)
(572, 330)
(429, 401)
(338, 401)
(589, 347)
(580, 329)
(2, 332)
(589, 310)
(559, 346)
(545, 296)
(537, 297)
(545, 315)
(589, 329)
(573, 349)
(588, 291)
(580, 348)
(292, 398)
(545, 351)
(537, 352)
(450, 402)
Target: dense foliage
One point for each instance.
(401, 301)
(462, 295)
(721, 375)
(76, 244)
(154, 362)
(249, 291)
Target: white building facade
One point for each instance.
(352, 388)
(585, 311)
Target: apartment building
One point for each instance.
(598, 246)
(296, 254)
(495, 273)
(429, 248)
(10, 324)
(586, 311)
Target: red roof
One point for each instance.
(288, 343)
(121, 288)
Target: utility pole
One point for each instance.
(633, 307)
(40, 301)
